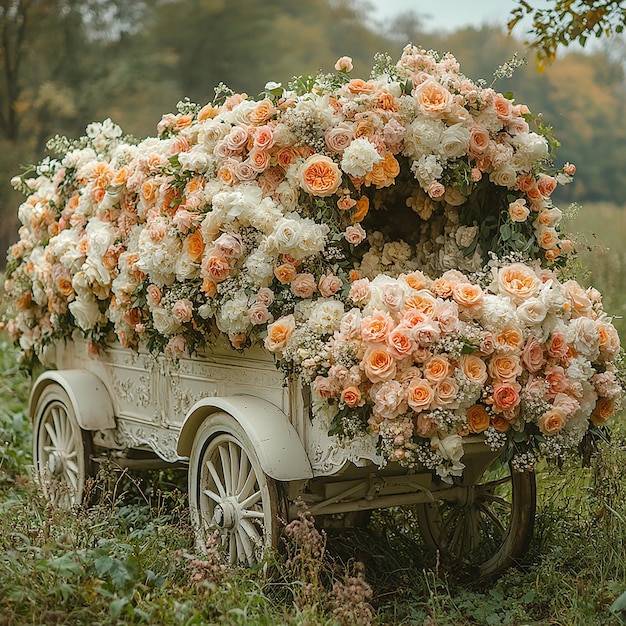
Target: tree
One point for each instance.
(568, 21)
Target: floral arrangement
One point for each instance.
(392, 241)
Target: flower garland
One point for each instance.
(392, 241)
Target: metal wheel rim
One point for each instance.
(234, 498)
(60, 459)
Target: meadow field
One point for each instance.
(129, 557)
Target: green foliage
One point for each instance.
(567, 22)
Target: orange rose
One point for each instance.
(279, 332)
(478, 419)
(500, 423)
(604, 409)
(361, 209)
(64, 285)
(209, 287)
(194, 245)
(320, 176)
(285, 273)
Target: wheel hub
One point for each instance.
(225, 515)
(55, 463)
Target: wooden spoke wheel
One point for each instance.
(61, 449)
(485, 526)
(229, 492)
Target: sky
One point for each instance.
(448, 14)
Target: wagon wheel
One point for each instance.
(230, 492)
(486, 525)
(61, 448)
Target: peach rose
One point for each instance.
(557, 380)
(422, 301)
(518, 281)
(400, 342)
(473, 368)
(329, 285)
(506, 396)
(558, 346)
(609, 340)
(355, 234)
(532, 355)
(279, 333)
(376, 327)
(551, 422)
(216, 265)
(351, 396)
(467, 295)
(344, 64)
(153, 294)
(320, 176)
(437, 368)
(183, 311)
(446, 394)
(262, 112)
(518, 211)
(478, 419)
(479, 140)
(378, 364)
(432, 98)
(546, 185)
(504, 367)
(420, 394)
(360, 291)
(304, 285)
(501, 424)
(209, 287)
(258, 314)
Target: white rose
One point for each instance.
(164, 322)
(85, 311)
(504, 177)
(186, 269)
(454, 141)
(532, 311)
(100, 236)
(196, 160)
(450, 447)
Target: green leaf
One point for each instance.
(116, 607)
(618, 608)
(505, 232)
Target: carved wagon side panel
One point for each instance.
(190, 380)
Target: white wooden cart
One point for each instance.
(253, 448)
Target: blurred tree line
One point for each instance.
(65, 63)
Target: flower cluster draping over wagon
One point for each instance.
(392, 241)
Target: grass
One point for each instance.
(129, 558)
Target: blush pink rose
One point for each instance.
(329, 285)
(183, 311)
(304, 285)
